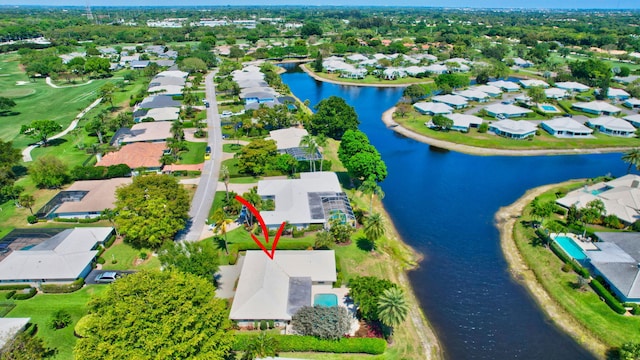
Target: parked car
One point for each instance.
(107, 277)
(226, 114)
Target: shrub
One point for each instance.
(108, 243)
(611, 300)
(10, 294)
(560, 210)
(101, 260)
(293, 343)
(61, 318)
(114, 261)
(82, 326)
(321, 321)
(32, 219)
(566, 267)
(15, 287)
(143, 255)
(271, 324)
(297, 233)
(484, 127)
(612, 221)
(263, 324)
(25, 295)
(233, 256)
(63, 288)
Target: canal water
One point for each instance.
(443, 204)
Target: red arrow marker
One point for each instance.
(263, 226)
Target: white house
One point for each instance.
(63, 258)
(462, 122)
(572, 86)
(513, 129)
(436, 69)
(276, 289)
(632, 103)
(506, 110)
(455, 101)
(533, 82)
(596, 107)
(621, 197)
(474, 95)
(357, 58)
(490, 90)
(564, 127)
(10, 327)
(555, 93)
(612, 126)
(520, 62)
(315, 198)
(617, 94)
(432, 108)
(633, 119)
(507, 86)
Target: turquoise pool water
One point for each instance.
(549, 108)
(327, 300)
(570, 247)
(28, 247)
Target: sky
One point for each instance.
(534, 4)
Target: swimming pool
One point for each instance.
(28, 247)
(548, 108)
(570, 247)
(327, 300)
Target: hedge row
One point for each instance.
(611, 300)
(282, 245)
(15, 287)
(63, 288)
(294, 343)
(77, 220)
(108, 243)
(24, 296)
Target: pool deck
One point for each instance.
(584, 244)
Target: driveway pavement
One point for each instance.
(91, 278)
(226, 278)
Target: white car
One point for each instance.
(226, 114)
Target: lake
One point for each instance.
(443, 204)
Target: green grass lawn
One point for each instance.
(415, 122)
(41, 307)
(232, 165)
(36, 100)
(584, 305)
(194, 154)
(126, 257)
(231, 148)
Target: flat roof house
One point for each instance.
(432, 108)
(596, 107)
(507, 86)
(455, 101)
(288, 141)
(621, 197)
(172, 90)
(555, 93)
(63, 258)
(617, 94)
(616, 260)
(532, 83)
(158, 101)
(474, 95)
(158, 114)
(136, 155)
(83, 199)
(508, 111)
(633, 119)
(156, 131)
(520, 62)
(463, 122)
(276, 289)
(572, 86)
(315, 198)
(513, 129)
(564, 127)
(632, 103)
(612, 126)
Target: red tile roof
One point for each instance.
(136, 155)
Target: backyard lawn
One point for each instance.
(194, 153)
(41, 307)
(416, 123)
(128, 258)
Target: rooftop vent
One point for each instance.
(635, 184)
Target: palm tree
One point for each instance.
(392, 307)
(322, 141)
(261, 346)
(374, 227)
(177, 130)
(110, 215)
(371, 187)
(221, 225)
(633, 158)
(26, 200)
(224, 176)
(311, 148)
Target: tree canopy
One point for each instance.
(41, 130)
(333, 117)
(365, 292)
(9, 157)
(197, 258)
(257, 156)
(151, 210)
(157, 315)
(6, 104)
(49, 171)
(361, 159)
(321, 321)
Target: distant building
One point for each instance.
(564, 127)
(612, 126)
(288, 142)
(432, 108)
(507, 111)
(455, 101)
(596, 107)
(513, 129)
(463, 122)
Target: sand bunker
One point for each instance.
(18, 83)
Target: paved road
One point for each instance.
(206, 190)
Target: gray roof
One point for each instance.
(618, 259)
(10, 327)
(159, 101)
(62, 257)
(146, 131)
(167, 80)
